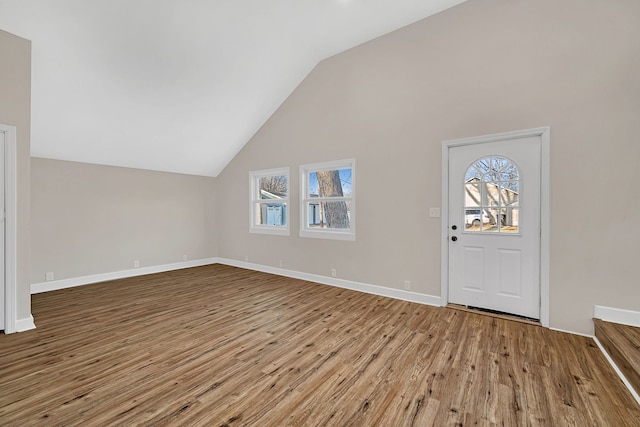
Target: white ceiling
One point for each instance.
(179, 85)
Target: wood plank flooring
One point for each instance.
(221, 346)
(622, 342)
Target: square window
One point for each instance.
(269, 201)
(328, 200)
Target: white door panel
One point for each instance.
(494, 235)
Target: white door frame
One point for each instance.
(10, 223)
(545, 211)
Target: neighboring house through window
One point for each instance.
(492, 196)
(269, 201)
(328, 200)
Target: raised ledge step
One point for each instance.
(622, 342)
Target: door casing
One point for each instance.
(10, 224)
(544, 134)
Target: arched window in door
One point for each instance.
(492, 196)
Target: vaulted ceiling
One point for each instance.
(179, 85)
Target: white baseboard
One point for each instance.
(617, 315)
(96, 278)
(564, 331)
(25, 324)
(356, 286)
(341, 283)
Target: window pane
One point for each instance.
(476, 219)
(489, 194)
(272, 187)
(473, 174)
(331, 183)
(472, 195)
(483, 166)
(335, 215)
(492, 196)
(269, 200)
(508, 197)
(509, 220)
(492, 226)
(271, 214)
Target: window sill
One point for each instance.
(274, 231)
(330, 235)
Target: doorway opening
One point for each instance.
(500, 264)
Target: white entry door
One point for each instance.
(494, 225)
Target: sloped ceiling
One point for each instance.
(179, 85)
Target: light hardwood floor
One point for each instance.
(221, 346)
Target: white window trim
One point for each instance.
(282, 230)
(326, 233)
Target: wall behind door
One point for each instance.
(484, 66)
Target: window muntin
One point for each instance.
(328, 200)
(269, 201)
(492, 196)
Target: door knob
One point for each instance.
(454, 238)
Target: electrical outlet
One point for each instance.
(49, 276)
(334, 273)
(136, 264)
(407, 284)
(434, 212)
(246, 258)
(281, 264)
(184, 257)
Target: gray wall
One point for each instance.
(90, 219)
(15, 110)
(482, 67)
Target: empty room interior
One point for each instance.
(339, 212)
